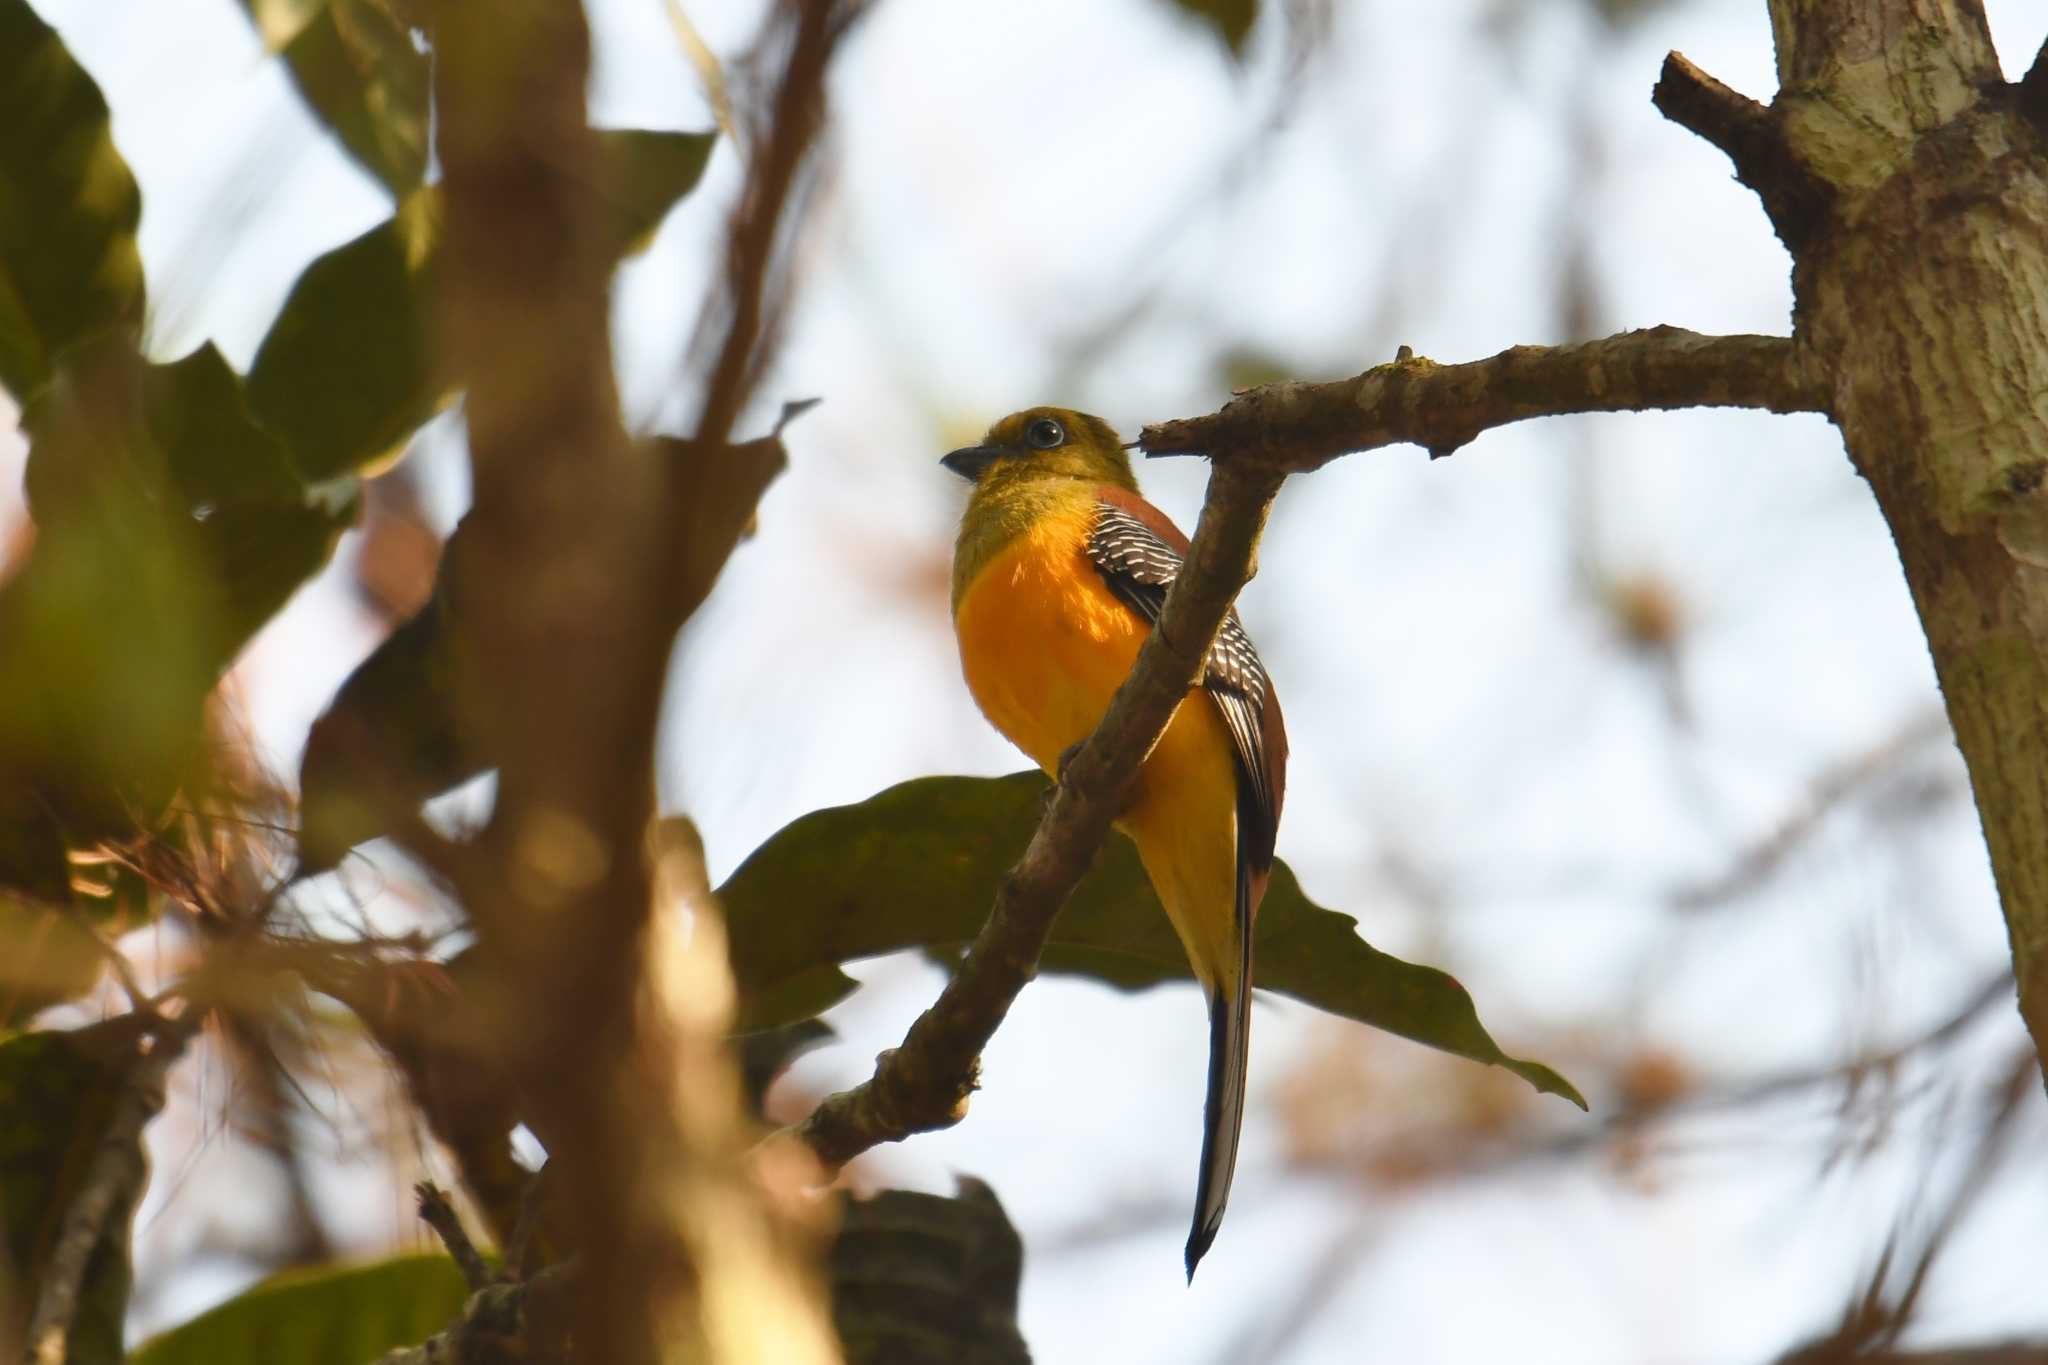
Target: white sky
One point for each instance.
(1457, 700)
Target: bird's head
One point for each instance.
(1044, 443)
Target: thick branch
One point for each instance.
(925, 1083)
(1296, 426)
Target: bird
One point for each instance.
(1060, 572)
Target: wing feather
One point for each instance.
(1133, 546)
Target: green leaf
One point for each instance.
(358, 68)
(68, 206)
(57, 1095)
(349, 368)
(642, 174)
(1232, 19)
(917, 866)
(323, 1316)
(214, 447)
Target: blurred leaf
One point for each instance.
(68, 206)
(322, 1316)
(348, 370)
(107, 644)
(389, 737)
(58, 1093)
(435, 1021)
(1244, 368)
(643, 173)
(257, 554)
(358, 68)
(33, 859)
(1232, 19)
(919, 1279)
(47, 956)
(765, 1055)
(918, 866)
(215, 448)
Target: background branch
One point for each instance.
(1298, 426)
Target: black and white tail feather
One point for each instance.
(1139, 565)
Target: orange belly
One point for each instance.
(1045, 645)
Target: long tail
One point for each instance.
(1230, 1037)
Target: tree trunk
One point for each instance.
(1910, 183)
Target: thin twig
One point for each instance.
(1297, 427)
(758, 222)
(116, 1172)
(925, 1083)
(440, 1215)
(525, 1321)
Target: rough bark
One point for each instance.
(1911, 185)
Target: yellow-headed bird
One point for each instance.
(1059, 574)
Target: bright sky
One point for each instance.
(1482, 773)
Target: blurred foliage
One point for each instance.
(180, 506)
(357, 65)
(325, 1316)
(58, 1092)
(1232, 19)
(47, 955)
(918, 865)
(920, 1279)
(347, 371)
(641, 174)
(68, 206)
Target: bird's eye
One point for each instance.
(1046, 433)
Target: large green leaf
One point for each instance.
(325, 1316)
(68, 206)
(918, 865)
(348, 370)
(57, 1094)
(357, 66)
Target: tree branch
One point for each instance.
(925, 1083)
(1797, 202)
(1296, 426)
(1258, 439)
(117, 1171)
(440, 1215)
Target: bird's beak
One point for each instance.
(970, 461)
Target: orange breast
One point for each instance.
(1045, 645)
(1043, 642)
